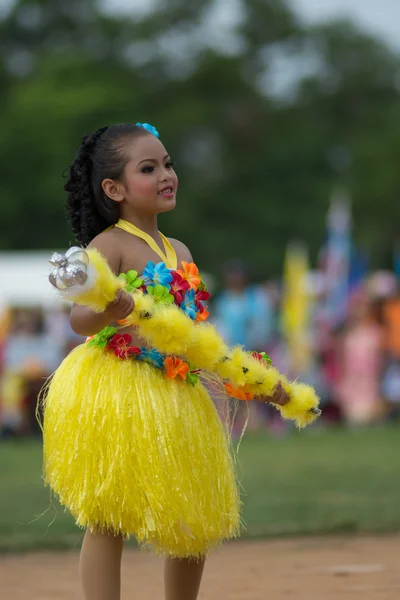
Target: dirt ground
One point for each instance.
(322, 568)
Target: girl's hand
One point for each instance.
(278, 397)
(121, 307)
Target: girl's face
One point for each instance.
(149, 182)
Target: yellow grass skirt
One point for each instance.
(128, 450)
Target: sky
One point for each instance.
(380, 17)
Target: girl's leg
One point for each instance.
(182, 578)
(100, 566)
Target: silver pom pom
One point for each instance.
(75, 273)
(53, 277)
(75, 254)
(58, 260)
(69, 269)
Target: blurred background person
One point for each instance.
(30, 355)
(391, 348)
(360, 363)
(243, 313)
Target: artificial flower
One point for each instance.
(202, 295)
(193, 375)
(191, 274)
(188, 305)
(262, 357)
(240, 393)
(202, 314)
(133, 281)
(157, 274)
(202, 286)
(192, 378)
(149, 128)
(175, 366)
(160, 294)
(152, 356)
(120, 344)
(101, 338)
(178, 287)
(129, 321)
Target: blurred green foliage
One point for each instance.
(256, 170)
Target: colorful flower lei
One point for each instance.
(120, 343)
(186, 289)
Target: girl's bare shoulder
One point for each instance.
(110, 244)
(182, 251)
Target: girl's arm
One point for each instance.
(85, 321)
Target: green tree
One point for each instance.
(255, 171)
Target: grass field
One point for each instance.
(306, 483)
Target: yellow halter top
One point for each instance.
(168, 256)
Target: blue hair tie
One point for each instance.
(149, 128)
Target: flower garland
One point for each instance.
(243, 392)
(186, 289)
(120, 344)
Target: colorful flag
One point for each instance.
(337, 259)
(296, 307)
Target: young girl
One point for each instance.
(132, 442)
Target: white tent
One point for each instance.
(24, 280)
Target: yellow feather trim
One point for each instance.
(144, 308)
(168, 330)
(105, 286)
(206, 347)
(233, 369)
(271, 378)
(302, 406)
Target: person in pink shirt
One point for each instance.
(360, 366)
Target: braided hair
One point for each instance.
(100, 156)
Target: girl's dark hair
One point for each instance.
(101, 156)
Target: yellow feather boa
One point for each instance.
(170, 330)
